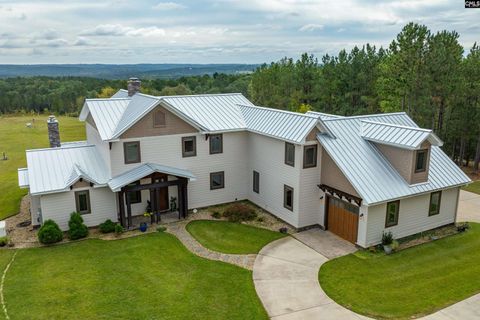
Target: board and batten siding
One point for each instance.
(93, 137)
(413, 216)
(267, 156)
(59, 206)
(311, 207)
(167, 150)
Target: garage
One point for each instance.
(342, 219)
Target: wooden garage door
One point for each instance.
(342, 219)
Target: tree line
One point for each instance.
(428, 75)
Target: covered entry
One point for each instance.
(341, 216)
(161, 177)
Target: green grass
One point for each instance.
(147, 277)
(412, 282)
(473, 187)
(229, 237)
(15, 138)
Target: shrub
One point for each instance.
(77, 229)
(395, 245)
(107, 227)
(239, 212)
(3, 241)
(119, 229)
(161, 228)
(216, 215)
(49, 232)
(260, 219)
(387, 238)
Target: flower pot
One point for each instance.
(387, 249)
(143, 227)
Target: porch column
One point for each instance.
(121, 206)
(129, 211)
(152, 196)
(185, 200)
(180, 200)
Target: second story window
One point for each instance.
(290, 154)
(216, 143)
(310, 156)
(189, 147)
(421, 160)
(159, 119)
(131, 152)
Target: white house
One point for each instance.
(355, 176)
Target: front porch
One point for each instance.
(158, 190)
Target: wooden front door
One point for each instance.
(342, 219)
(162, 195)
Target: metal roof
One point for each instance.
(290, 126)
(23, 178)
(144, 170)
(396, 135)
(122, 93)
(370, 173)
(56, 169)
(323, 116)
(106, 113)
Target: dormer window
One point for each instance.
(421, 160)
(159, 119)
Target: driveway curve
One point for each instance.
(285, 274)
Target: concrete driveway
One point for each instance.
(325, 243)
(468, 207)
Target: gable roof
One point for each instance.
(56, 169)
(144, 170)
(209, 113)
(406, 137)
(370, 173)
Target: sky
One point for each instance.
(212, 31)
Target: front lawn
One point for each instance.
(15, 137)
(473, 187)
(147, 277)
(412, 282)
(229, 237)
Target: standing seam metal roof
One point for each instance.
(370, 173)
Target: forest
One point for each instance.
(428, 75)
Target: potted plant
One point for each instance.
(387, 240)
(143, 226)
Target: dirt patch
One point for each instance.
(427, 236)
(21, 236)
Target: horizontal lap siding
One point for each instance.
(311, 207)
(93, 137)
(267, 157)
(413, 216)
(167, 150)
(59, 206)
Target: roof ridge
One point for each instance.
(103, 99)
(277, 110)
(201, 95)
(398, 126)
(61, 148)
(367, 116)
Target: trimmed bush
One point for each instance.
(161, 229)
(107, 227)
(239, 212)
(119, 229)
(3, 241)
(216, 215)
(77, 229)
(49, 232)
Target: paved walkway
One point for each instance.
(325, 243)
(469, 207)
(178, 229)
(285, 275)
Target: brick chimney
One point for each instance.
(53, 132)
(133, 86)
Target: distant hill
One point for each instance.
(122, 71)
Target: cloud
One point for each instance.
(168, 6)
(311, 27)
(48, 34)
(120, 30)
(54, 43)
(82, 41)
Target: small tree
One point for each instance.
(77, 229)
(49, 232)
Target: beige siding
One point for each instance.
(145, 127)
(167, 150)
(413, 216)
(311, 207)
(59, 206)
(267, 156)
(333, 177)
